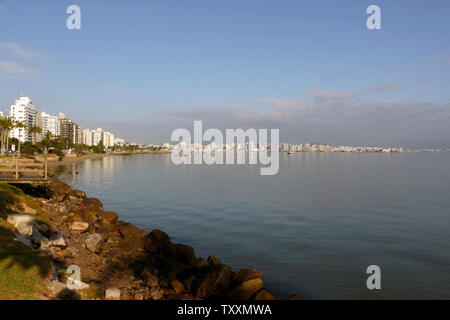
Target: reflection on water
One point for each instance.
(312, 229)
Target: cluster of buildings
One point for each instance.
(59, 125)
(285, 147)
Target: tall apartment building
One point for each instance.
(48, 123)
(68, 129)
(23, 110)
(87, 137)
(100, 135)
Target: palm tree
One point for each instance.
(6, 124)
(9, 127)
(34, 130)
(2, 133)
(20, 125)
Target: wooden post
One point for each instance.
(45, 168)
(17, 169)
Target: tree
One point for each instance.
(34, 130)
(6, 124)
(20, 125)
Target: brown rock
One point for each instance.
(177, 286)
(264, 294)
(215, 282)
(109, 217)
(27, 209)
(79, 226)
(213, 260)
(93, 204)
(150, 278)
(159, 237)
(181, 252)
(78, 193)
(188, 281)
(200, 262)
(245, 283)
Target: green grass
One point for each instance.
(22, 271)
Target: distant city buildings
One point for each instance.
(93, 137)
(60, 125)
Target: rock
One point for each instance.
(112, 294)
(188, 281)
(200, 262)
(181, 252)
(93, 204)
(63, 209)
(57, 241)
(213, 260)
(157, 294)
(246, 282)
(264, 294)
(94, 242)
(150, 278)
(26, 209)
(78, 194)
(23, 223)
(109, 217)
(160, 238)
(79, 226)
(177, 286)
(23, 239)
(215, 282)
(42, 227)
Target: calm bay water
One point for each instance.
(313, 228)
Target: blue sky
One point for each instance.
(310, 68)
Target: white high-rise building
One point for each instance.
(23, 110)
(97, 136)
(48, 123)
(108, 139)
(87, 137)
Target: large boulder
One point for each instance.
(156, 240)
(150, 279)
(181, 252)
(246, 283)
(23, 223)
(264, 294)
(215, 282)
(78, 194)
(92, 204)
(109, 217)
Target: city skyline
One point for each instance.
(311, 69)
(24, 110)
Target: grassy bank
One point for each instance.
(23, 272)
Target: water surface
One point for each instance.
(313, 228)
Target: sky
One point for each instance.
(310, 68)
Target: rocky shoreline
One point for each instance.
(117, 260)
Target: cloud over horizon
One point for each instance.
(335, 117)
(11, 70)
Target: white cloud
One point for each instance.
(16, 49)
(12, 70)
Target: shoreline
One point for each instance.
(117, 260)
(69, 160)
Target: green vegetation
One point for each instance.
(23, 271)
